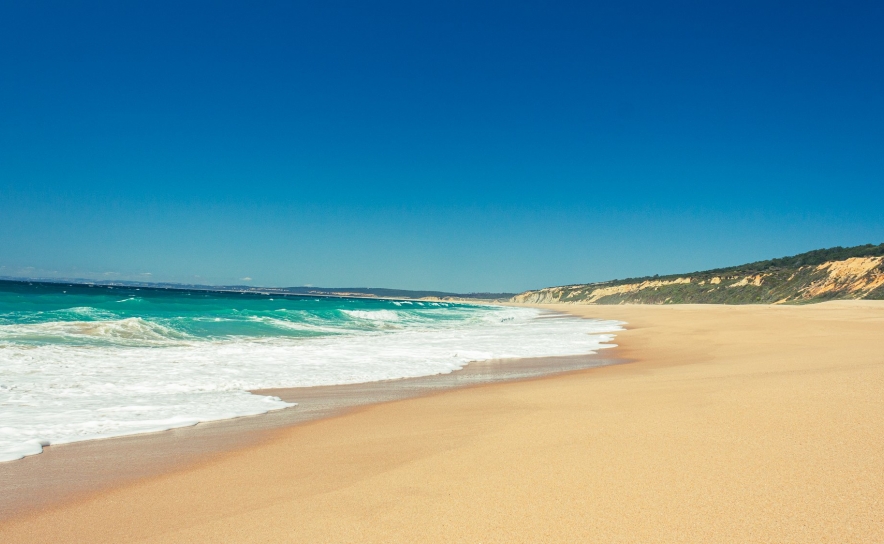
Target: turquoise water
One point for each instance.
(81, 362)
(180, 314)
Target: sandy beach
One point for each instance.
(731, 424)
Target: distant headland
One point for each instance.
(339, 292)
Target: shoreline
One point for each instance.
(731, 424)
(44, 481)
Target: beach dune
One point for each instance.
(731, 424)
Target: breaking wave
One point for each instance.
(83, 366)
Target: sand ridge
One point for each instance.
(735, 424)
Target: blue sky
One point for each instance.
(458, 146)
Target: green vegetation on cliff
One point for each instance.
(823, 274)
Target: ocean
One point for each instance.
(79, 362)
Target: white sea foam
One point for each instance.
(150, 377)
(375, 315)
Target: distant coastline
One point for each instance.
(333, 292)
(837, 273)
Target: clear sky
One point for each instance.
(458, 146)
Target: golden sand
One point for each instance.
(734, 424)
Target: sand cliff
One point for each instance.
(767, 282)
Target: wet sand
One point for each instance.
(734, 424)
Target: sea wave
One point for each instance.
(131, 331)
(76, 380)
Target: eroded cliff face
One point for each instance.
(858, 276)
(854, 278)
